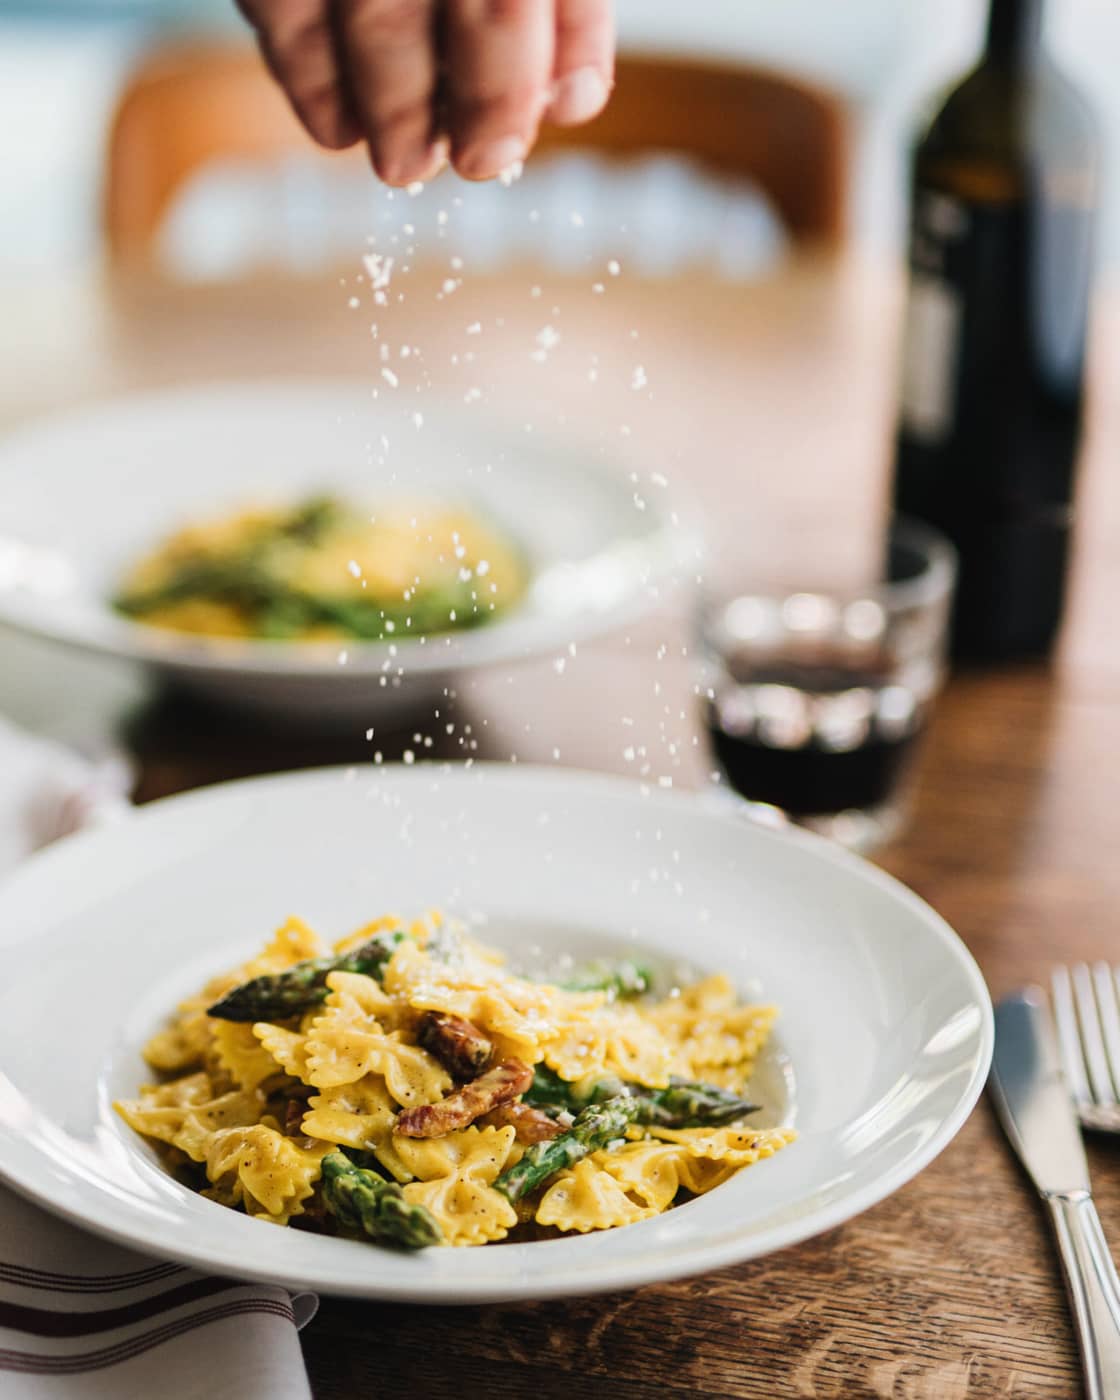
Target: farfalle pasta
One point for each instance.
(404, 1086)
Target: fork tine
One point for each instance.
(1092, 1041)
(1069, 1041)
(1105, 987)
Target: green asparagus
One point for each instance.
(597, 1125)
(242, 579)
(624, 978)
(277, 996)
(549, 1091)
(439, 609)
(278, 611)
(683, 1104)
(362, 1200)
(246, 576)
(310, 521)
(359, 1157)
(254, 578)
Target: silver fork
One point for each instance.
(1087, 1013)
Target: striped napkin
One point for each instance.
(82, 1319)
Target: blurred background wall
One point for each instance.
(62, 63)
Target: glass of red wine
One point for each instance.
(815, 699)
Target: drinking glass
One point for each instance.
(815, 700)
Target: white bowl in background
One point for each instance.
(84, 495)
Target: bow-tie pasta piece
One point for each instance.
(655, 1172)
(515, 1031)
(271, 1175)
(700, 1174)
(614, 1040)
(533, 1017)
(454, 1182)
(348, 1042)
(243, 1055)
(359, 1115)
(734, 1078)
(240, 1108)
(517, 1023)
(186, 1043)
(646, 1171)
(417, 965)
(737, 1147)
(186, 1113)
(292, 942)
(706, 1026)
(588, 1198)
(287, 1048)
(356, 993)
(519, 1016)
(412, 1076)
(343, 1042)
(164, 1106)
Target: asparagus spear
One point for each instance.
(624, 978)
(683, 1104)
(358, 1157)
(253, 578)
(245, 576)
(279, 995)
(376, 618)
(281, 618)
(597, 1125)
(362, 1200)
(240, 579)
(310, 521)
(549, 1091)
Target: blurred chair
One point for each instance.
(787, 137)
(185, 107)
(191, 106)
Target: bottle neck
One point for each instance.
(1015, 33)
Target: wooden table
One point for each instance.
(773, 405)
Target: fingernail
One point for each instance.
(578, 96)
(490, 159)
(438, 158)
(418, 169)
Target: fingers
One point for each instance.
(583, 69)
(296, 41)
(389, 49)
(498, 61)
(354, 68)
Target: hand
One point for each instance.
(424, 81)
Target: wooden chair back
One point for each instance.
(790, 138)
(189, 105)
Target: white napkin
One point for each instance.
(82, 1319)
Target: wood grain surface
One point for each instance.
(772, 404)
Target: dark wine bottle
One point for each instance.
(1003, 202)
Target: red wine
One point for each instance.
(813, 782)
(1004, 192)
(814, 736)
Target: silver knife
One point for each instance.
(1037, 1113)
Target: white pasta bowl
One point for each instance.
(883, 1043)
(84, 496)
